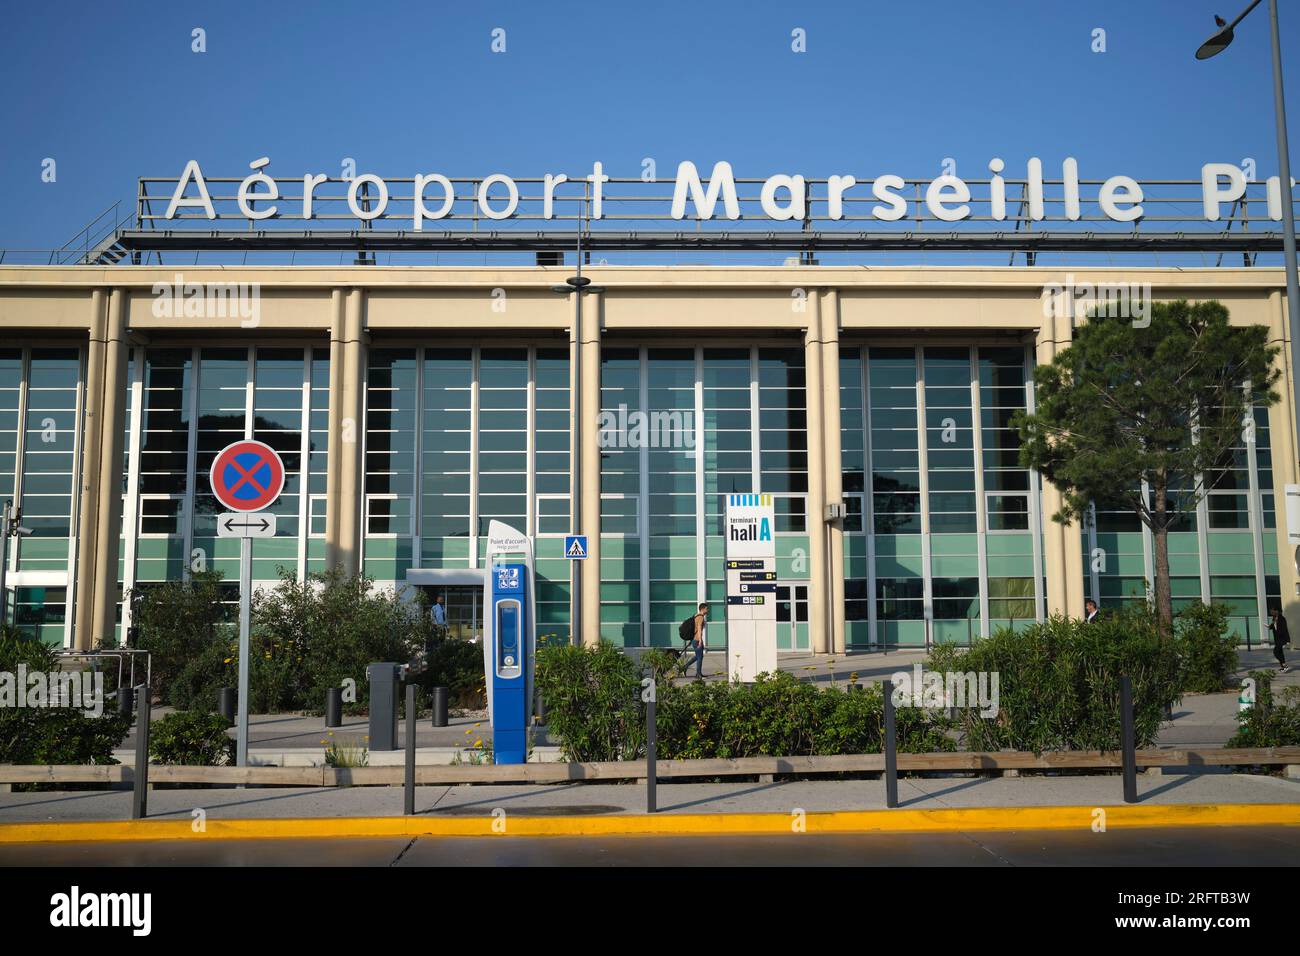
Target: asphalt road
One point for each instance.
(1174, 847)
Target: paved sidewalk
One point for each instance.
(599, 799)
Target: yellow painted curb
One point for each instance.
(666, 824)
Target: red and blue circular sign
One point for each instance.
(247, 476)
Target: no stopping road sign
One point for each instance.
(247, 476)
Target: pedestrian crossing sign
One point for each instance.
(575, 547)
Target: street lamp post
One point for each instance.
(1217, 44)
(577, 285)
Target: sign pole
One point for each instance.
(247, 477)
(245, 613)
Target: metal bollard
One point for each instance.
(140, 777)
(651, 745)
(1126, 739)
(334, 707)
(440, 707)
(227, 699)
(126, 701)
(410, 749)
(891, 748)
(539, 707)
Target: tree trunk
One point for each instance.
(1160, 545)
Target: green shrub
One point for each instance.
(191, 637)
(1271, 722)
(779, 715)
(593, 705)
(1059, 682)
(311, 635)
(593, 701)
(51, 735)
(1209, 651)
(191, 738)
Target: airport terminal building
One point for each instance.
(414, 404)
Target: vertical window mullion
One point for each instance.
(981, 503)
(1256, 506)
(530, 456)
(304, 467)
(1035, 498)
(923, 481)
(191, 456)
(131, 506)
(417, 465)
(473, 457)
(20, 465)
(700, 445)
(643, 502)
(78, 437)
(868, 495)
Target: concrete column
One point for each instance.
(351, 434)
(818, 598)
(88, 492)
(1282, 438)
(588, 426)
(834, 470)
(333, 502)
(1053, 534)
(575, 459)
(111, 446)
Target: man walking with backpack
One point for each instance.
(692, 630)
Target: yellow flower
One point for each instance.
(227, 660)
(478, 743)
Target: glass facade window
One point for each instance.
(192, 403)
(682, 428)
(489, 428)
(942, 546)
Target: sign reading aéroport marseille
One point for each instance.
(782, 196)
(247, 476)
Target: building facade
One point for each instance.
(411, 406)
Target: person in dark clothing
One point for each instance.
(1090, 607)
(1281, 637)
(701, 626)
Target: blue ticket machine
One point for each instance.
(509, 667)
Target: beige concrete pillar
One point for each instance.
(1282, 439)
(88, 491)
(333, 502)
(575, 458)
(819, 617)
(109, 511)
(351, 434)
(1053, 534)
(588, 425)
(830, 321)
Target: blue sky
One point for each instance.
(112, 91)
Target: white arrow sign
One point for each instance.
(234, 524)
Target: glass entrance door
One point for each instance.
(792, 616)
(464, 609)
